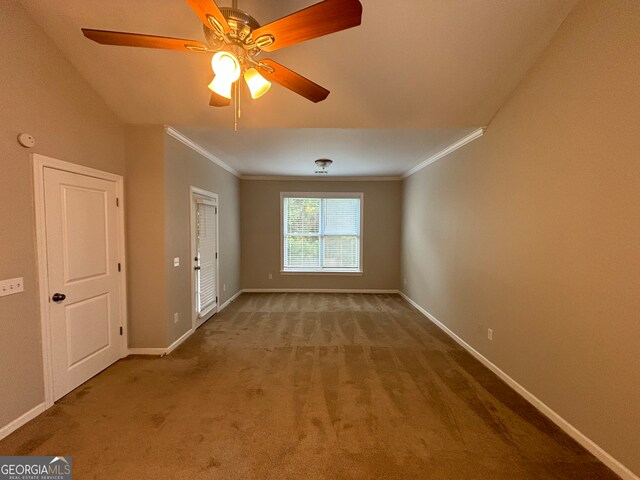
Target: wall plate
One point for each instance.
(11, 286)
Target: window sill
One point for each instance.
(321, 273)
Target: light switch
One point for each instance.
(176, 262)
(11, 286)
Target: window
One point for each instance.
(321, 232)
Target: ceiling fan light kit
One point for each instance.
(257, 84)
(236, 39)
(226, 65)
(220, 86)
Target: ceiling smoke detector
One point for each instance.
(323, 163)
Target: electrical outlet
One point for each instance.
(11, 286)
(176, 317)
(490, 334)
(270, 277)
(176, 262)
(224, 287)
(405, 281)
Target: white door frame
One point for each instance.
(193, 191)
(40, 162)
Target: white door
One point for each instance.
(82, 268)
(205, 255)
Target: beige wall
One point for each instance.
(260, 216)
(145, 227)
(160, 172)
(534, 230)
(185, 168)
(40, 93)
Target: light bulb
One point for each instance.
(225, 65)
(257, 84)
(221, 86)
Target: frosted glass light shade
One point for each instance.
(221, 86)
(257, 84)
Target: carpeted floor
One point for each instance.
(309, 386)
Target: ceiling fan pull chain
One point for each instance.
(235, 107)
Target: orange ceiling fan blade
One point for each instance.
(297, 83)
(124, 39)
(218, 100)
(315, 21)
(210, 15)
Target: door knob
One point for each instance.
(58, 297)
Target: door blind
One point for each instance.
(206, 249)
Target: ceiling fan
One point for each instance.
(235, 38)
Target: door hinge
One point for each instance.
(216, 299)
(216, 210)
(117, 202)
(216, 255)
(119, 267)
(120, 330)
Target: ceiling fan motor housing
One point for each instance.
(242, 26)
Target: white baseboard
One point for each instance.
(226, 304)
(317, 290)
(572, 431)
(21, 420)
(160, 351)
(175, 344)
(147, 351)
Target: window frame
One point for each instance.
(358, 195)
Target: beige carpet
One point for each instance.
(310, 386)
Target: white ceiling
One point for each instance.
(412, 64)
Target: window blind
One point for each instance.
(206, 249)
(321, 233)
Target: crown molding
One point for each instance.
(171, 131)
(443, 153)
(310, 178)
